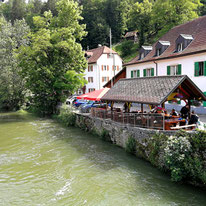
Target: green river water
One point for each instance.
(45, 164)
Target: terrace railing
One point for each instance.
(142, 120)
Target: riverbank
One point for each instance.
(181, 154)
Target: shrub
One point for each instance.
(177, 150)
(131, 145)
(67, 116)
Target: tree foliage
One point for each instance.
(53, 63)
(12, 91)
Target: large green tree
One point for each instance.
(140, 17)
(169, 13)
(12, 90)
(54, 62)
(96, 25)
(153, 18)
(18, 10)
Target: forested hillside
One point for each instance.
(151, 18)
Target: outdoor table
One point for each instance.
(172, 122)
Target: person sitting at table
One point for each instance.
(174, 113)
(185, 111)
(194, 118)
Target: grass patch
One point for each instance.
(127, 49)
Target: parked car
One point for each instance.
(79, 102)
(71, 100)
(87, 107)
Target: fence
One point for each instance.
(143, 120)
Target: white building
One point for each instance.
(103, 64)
(180, 51)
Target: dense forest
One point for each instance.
(151, 18)
(41, 42)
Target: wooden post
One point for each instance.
(142, 108)
(189, 109)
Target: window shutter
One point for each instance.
(132, 74)
(168, 70)
(145, 72)
(107, 78)
(92, 68)
(152, 72)
(196, 69)
(179, 70)
(102, 79)
(138, 73)
(112, 67)
(204, 68)
(107, 67)
(204, 102)
(102, 67)
(117, 68)
(92, 79)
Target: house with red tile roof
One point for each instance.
(181, 51)
(103, 64)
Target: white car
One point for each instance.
(71, 100)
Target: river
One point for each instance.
(45, 164)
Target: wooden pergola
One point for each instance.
(154, 90)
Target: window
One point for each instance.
(90, 79)
(174, 70)
(142, 55)
(91, 89)
(135, 73)
(105, 68)
(105, 79)
(90, 68)
(115, 68)
(179, 47)
(158, 52)
(148, 72)
(200, 69)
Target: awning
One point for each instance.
(95, 95)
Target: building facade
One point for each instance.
(181, 51)
(103, 64)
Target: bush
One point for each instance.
(177, 150)
(67, 116)
(131, 145)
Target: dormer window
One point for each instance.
(161, 46)
(182, 42)
(144, 51)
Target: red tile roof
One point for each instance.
(130, 34)
(196, 28)
(96, 53)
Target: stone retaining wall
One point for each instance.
(118, 133)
